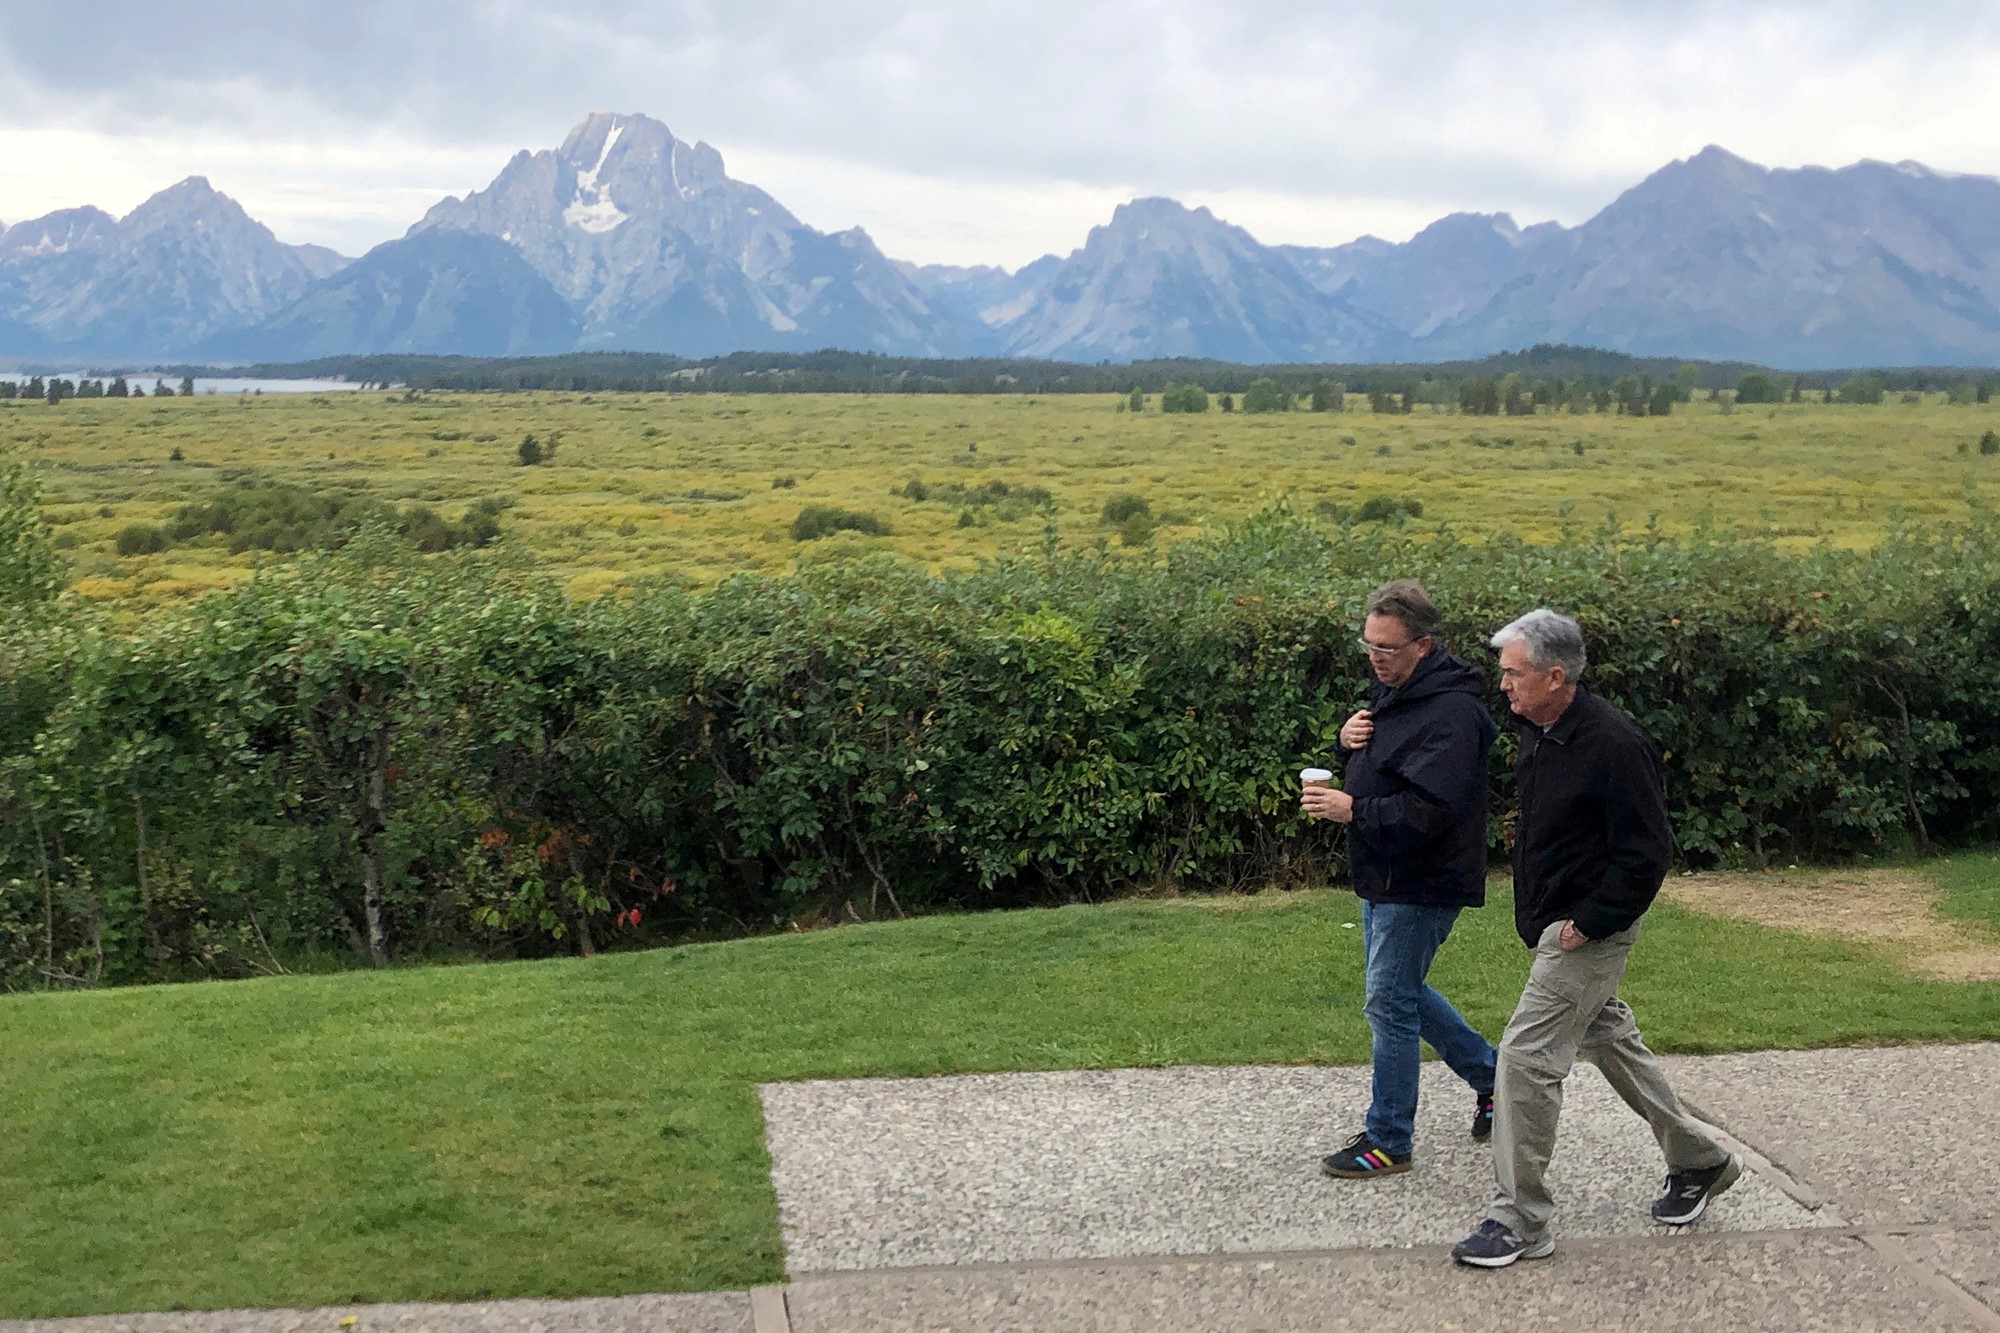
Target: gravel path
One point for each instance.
(896, 1173)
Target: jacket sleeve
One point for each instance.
(1638, 838)
(1443, 775)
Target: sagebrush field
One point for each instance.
(693, 486)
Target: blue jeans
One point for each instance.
(1401, 939)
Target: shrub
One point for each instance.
(141, 539)
(1757, 387)
(1989, 444)
(30, 574)
(393, 756)
(1264, 395)
(1005, 501)
(279, 517)
(1137, 530)
(817, 521)
(1388, 509)
(1184, 398)
(1124, 507)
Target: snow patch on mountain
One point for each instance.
(593, 210)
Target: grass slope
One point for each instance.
(591, 1127)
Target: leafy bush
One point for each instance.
(140, 539)
(374, 753)
(817, 521)
(1758, 387)
(1003, 501)
(273, 516)
(30, 574)
(1137, 530)
(1989, 444)
(1388, 509)
(1264, 395)
(1125, 506)
(1184, 398)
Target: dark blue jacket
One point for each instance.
(1419, 789)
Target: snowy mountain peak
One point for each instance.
(67, 231)
(651, 244)
(591, 141)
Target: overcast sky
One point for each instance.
(983, 133)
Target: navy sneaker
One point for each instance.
(1361, 1159)
(1495, 1245)
(1688, 1192)
(1482, 1117)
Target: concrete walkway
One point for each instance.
(1190, 1199)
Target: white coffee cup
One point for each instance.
(1315, 777)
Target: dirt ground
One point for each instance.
(1891, 908)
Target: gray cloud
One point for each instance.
(1546, 109)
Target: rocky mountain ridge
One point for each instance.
(626, 237)
(184, 266)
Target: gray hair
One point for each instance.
(1551, 640)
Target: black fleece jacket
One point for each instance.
(1592, 843)
(1419, 789)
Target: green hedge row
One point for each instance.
(383, 756)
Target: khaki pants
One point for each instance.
(1570, 1007)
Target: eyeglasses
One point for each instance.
(1383, 650)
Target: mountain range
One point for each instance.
(628, 238)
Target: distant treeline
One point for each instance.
(54, 390)
(864, 372)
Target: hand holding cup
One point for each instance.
(1320, 799)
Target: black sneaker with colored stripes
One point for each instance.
(1361, 1159)
(1482, 1117)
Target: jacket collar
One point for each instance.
(1563, 728)
(1389, 694)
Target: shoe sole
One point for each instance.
(1722, 1183)
(1338, 1174)
(1541, 1251)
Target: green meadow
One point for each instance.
(692, 487)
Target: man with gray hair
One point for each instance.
(1591, 847)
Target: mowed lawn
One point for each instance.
(592, 1126)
